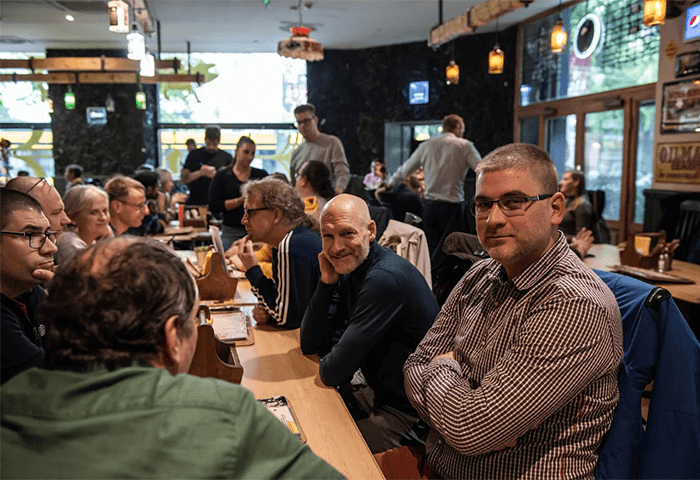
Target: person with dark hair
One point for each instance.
(127, 203)
(518, 377)
(113, 402)
(370, 310)
(225, 191)
(155, 221)
(376, 178)
(27, 245)
(445, 161)
(190, 144)
(579, 209)
(274, 215)
(73, 175)
(202, 164)
(319, 146)
(313, 184)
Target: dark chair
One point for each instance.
(658, 345)
(688, 229)
(601, 232)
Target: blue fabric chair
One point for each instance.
(659, 346)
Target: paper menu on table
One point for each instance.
(281, 409)
(230, 325)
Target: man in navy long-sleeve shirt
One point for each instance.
(383, 309)
(274, 214)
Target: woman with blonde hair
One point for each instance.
(88, 208)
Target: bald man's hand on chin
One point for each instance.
(328, 273)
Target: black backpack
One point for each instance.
(461, 250)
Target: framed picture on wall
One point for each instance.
(687, 64)
(680, 108)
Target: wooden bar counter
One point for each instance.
(274, 365)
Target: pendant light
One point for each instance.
(452, 70)
(496, 57)
(140, 99)
(148, 65)
(654, 12)
(69, 99)
(558, 38)
(118, 16)
(136, 44)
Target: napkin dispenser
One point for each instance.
(643, 250)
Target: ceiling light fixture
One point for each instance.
(136, 44)
(558, 38)
(300, 45)
(70, 18)
(148, 65)
(654, 12)
(118, 16)
(496, 57)
(140, 99)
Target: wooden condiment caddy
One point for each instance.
(631, 257)
(213, 358)
(217, 284)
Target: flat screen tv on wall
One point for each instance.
(418, 93)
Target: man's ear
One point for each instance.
(372, 227)
(558, 208)
(278, 215)
(174, 352)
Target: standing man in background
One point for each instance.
(445, 161)
(201, 166)
(319, 146)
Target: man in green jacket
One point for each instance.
(115, 402)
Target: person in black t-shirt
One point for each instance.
(202, 164)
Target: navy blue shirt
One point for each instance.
(384, 310)
(21, 333)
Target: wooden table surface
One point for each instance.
(274, 366)
(605, 256)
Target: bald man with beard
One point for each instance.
(385, 308)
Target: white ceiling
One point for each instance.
(236, 25)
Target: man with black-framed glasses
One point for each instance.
(47, 195)
(518, 377)
(27, 245)
(319, 146)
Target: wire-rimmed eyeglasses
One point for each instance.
(510, 206)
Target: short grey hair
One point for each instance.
(522, 156)
(79, 199)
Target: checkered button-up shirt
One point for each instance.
(536, 362)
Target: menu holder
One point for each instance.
(232, 326)
(282, 409)
(193, 216)
(217, 284)
(643, 250)
(215, 359)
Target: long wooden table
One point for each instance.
(605, 256)
(274, 365)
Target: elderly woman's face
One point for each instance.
(94, 221)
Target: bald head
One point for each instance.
(349, 205)
(347, 231)
(47, 196)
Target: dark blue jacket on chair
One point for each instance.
(658, 345)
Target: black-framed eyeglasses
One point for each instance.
(248, 211)
(510, 206)
(138, 206)
(42, 179)
(304, 121)
(36, 239)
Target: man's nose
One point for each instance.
(495, 216)
(48, 248)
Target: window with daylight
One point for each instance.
(251, 94)
(25, 116)
(608, 48)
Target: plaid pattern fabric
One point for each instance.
(536, 363)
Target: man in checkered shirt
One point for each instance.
(518, 377)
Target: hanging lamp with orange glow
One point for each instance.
(559, 36)
(496, 57)
(452, 69)
(654, 12)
